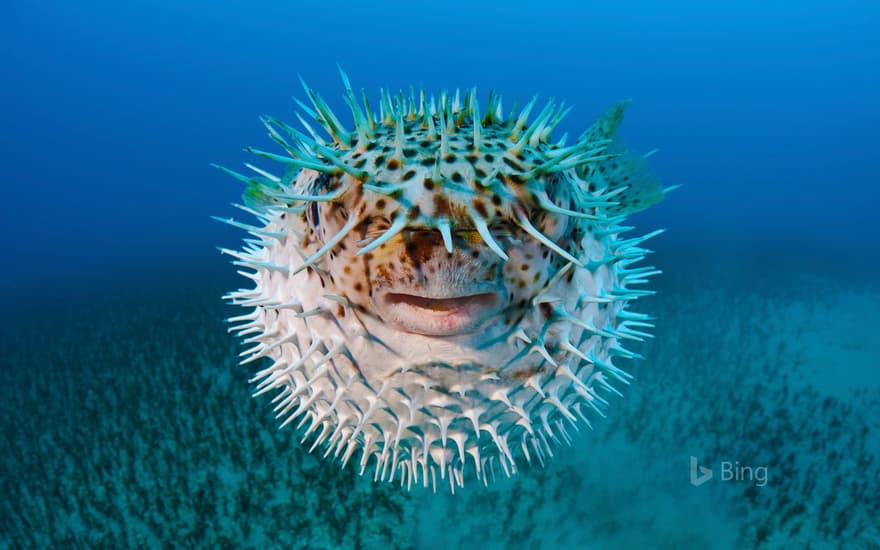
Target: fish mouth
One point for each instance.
(437, 316)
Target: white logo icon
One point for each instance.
(699, 474)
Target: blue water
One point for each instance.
(111, 113)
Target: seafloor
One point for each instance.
(127, 424)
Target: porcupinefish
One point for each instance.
(441, 291)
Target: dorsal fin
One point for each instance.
(606, 125)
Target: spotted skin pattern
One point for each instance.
(441, 292)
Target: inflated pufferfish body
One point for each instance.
(441, 290)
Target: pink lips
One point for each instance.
(438, 316)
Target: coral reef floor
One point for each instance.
(127, 423)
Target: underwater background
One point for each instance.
(127, 423)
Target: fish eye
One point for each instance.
(314, 216)
(376, 223)
(374, 226)
(502, 229)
